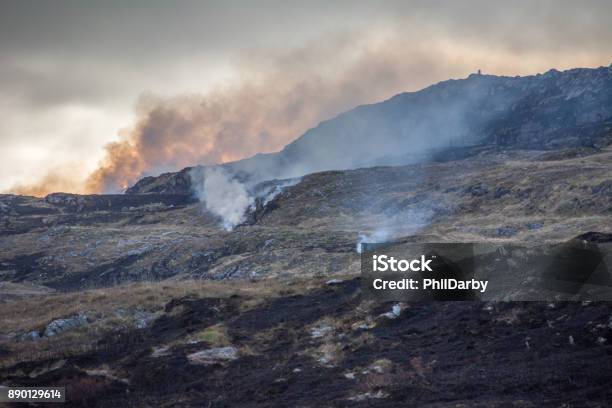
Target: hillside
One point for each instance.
(554, 110)
(73, 242)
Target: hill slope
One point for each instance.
(546, 111)
(73, 242)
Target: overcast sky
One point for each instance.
(71, 72)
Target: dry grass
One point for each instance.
(33, 312)
(214, 336)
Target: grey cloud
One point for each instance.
(151, 29)
(74, 49)
(40, 87)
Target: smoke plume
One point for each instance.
(223, 195)
(275, 98)
(60, 179)
(398, 223)
(276, 95)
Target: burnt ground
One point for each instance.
(182, 313)
(325, 346)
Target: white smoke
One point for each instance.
(279, 188)
(224, 196)
(373, 237)
(401, 224)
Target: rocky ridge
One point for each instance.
(551, 111)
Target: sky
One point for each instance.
(95, 95)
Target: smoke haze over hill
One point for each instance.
(213, 93)
(280, 97)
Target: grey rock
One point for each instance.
(321, 331)
(61, 325)
(396, 311)
(30, 336)
(213, 355)
(334, 282)
(142, 319)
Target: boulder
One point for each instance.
(213, 355)
(30, 336)
(61, 325)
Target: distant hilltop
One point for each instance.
(557, 109)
